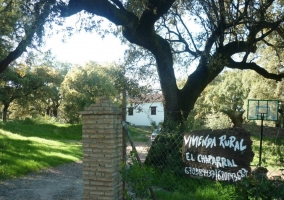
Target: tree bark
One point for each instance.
(55, 111)
(236, 117)
(5, 112)
(47, 111)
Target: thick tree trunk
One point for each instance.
(236, 117)
(194, 86)
(160, 48)
(55, 112)
(172, 107)
(47, 111)
(5, 112)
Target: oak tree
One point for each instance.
(229, 34)
(82, 86)
(21, 82)
(228, 96)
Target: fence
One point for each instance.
(164, 170)
(156, 169)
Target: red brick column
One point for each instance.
(102, 151)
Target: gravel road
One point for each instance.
(59, 183)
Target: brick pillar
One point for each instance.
(102, 151)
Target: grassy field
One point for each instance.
(27, 146)
(272, 152)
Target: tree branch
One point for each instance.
(112, 10)
(253, 66)
(119, 4)
(236, 47)
(30, 31)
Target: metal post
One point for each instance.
(137, 157)
(261, 134)
(123, 135)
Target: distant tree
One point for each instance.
(50, 96)
(262, 88)
(20, 82)
(47, 99)
(265, 89)
(228, 96)
(83, 85)
(218, 121)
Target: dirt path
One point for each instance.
(60, 183)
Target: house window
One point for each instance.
(130, 111)
(153, 110)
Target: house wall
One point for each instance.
(142, 114)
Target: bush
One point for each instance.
(138, 179)
(252, 187)
(218, 121)
(166, 153)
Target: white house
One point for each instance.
(143, 111)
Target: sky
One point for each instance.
(83, 47)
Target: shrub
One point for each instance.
(218, 121)
(252, 187)
(137, 178)
(166, 153)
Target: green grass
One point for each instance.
(140, 134)
(27, 146)
(209, 193)
(181, 188)
(272, 151)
